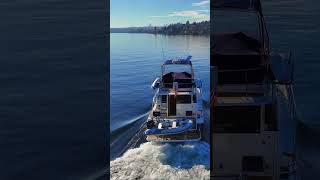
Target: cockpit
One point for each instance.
(239, 46)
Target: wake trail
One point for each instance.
(125, 137)
(164, 161)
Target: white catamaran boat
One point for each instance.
(253, 115)
(177, 112)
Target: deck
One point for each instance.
(247, 100)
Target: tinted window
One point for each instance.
(184, 99)
(188, 113)
(236, 119)
(163, 98)
(252, 163)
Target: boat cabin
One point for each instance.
(180, 104)
(240, 43)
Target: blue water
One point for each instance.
(295, 25)
(136, 61)
(52, 93)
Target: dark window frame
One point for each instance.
(182, 100)
(237, 119)
(163, 98)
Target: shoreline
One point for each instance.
(160, 34)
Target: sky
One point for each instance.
(138, 13)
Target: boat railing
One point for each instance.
(241, 70)
(249, 81)
(180, 85)
(286, 92)
(246, 73)
(289, 87)
(290, 58)
(292, 102)
(286, 89)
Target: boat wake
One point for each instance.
(163, 161)
(121, 137)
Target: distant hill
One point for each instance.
(133, 30)
(195, 28)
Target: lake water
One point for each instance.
(295, 25)
(53, 89)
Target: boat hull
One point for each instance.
(188, 136)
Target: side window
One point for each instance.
(194, 99)
(163, 98)
(184, 99)
(252, 163)
(236, 119)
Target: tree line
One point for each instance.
(195, 28)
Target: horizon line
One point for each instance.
(158, 25)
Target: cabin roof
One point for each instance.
(186, 61)
(235, 43)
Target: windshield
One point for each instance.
(177, 68)
(231, 21)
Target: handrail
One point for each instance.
(246, 71)
(191, 84)
(292, 107)
(240, 70)
(178, 83)
(292, 101)
(289, 98)
(291, 61)
(292, 96)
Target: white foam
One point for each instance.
(164, 161)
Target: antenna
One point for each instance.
(163, 54)
(162, 50)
